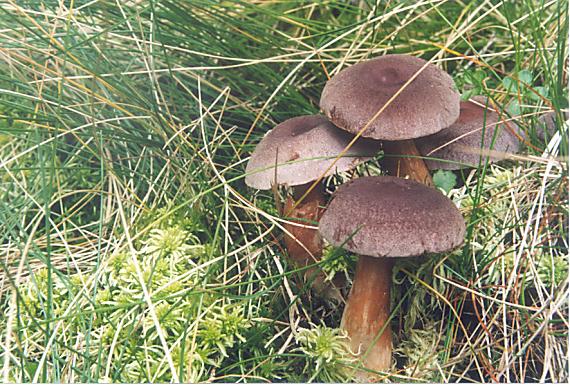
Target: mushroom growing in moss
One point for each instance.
(296, 153)
(424, 106)
(382, 218)
(460, 145)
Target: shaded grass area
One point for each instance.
(131, 250)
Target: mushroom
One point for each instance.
(382, 218)
(460, 145)
(427, 103)
(547, 125)
(296, 153)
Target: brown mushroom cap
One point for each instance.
(311, 143)
(465, 152)
(385, 216)
(427, 105)
(547, 125)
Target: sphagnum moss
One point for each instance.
(166, 255)
(328, 354)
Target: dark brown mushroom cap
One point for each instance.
(466, 151)
(311, 144)
(385, 216)
(427, 105)
(547, 125)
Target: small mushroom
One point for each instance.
(547, 125)
(426, 105)
(382, 218)
(460, 145)
(296, 153)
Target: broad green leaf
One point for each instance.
(543, 91)
(510, 85)
(514, 108)
(525, 76)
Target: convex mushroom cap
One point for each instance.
(425, 106)
(461, 144)
(385, 216)
(302, 149)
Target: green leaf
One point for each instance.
(543, 91)
(514, 108)
(469, 93)
(510, 85)
(525, 76)
(475, 77)
(445, 180)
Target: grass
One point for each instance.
(131, 249)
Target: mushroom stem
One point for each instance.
(367, 313)
(307, 211)
(413, 167)
(305, 247)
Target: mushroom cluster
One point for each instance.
(410, 109)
